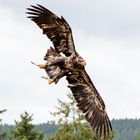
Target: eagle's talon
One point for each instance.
(50, 81)
(43, 77)
(42, 66)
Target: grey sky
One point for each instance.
(106, 34)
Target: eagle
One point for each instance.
(63, 60)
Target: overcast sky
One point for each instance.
(106, 35)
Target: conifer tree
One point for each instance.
(2, 134)
(72, 123)
(25, 130)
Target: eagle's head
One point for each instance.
(75, 62)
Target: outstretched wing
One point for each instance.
(90, 102)
(57, 29)
(85, 93)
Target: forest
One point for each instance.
(70, 125)
(125, 129)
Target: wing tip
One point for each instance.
(101, 125)
(105, 130)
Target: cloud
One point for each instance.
(21, 85)
(114, 69)
(107, 19)
(106, 35)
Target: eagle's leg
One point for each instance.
(42, 66)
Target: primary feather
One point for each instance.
(56, 29)
(87, 97)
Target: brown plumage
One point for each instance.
(55, 72)
(56, 29)
(72, 66)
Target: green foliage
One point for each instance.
(72, 123)
(138, 138)
(2, 111)
(69, 125)
(126, 129)
(70, 132)
(48, 129)
(25, 130)
(2, 134)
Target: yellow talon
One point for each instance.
(50, 81)
(42, 66)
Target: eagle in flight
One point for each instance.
(63, 60)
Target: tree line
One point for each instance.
(69, 125)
